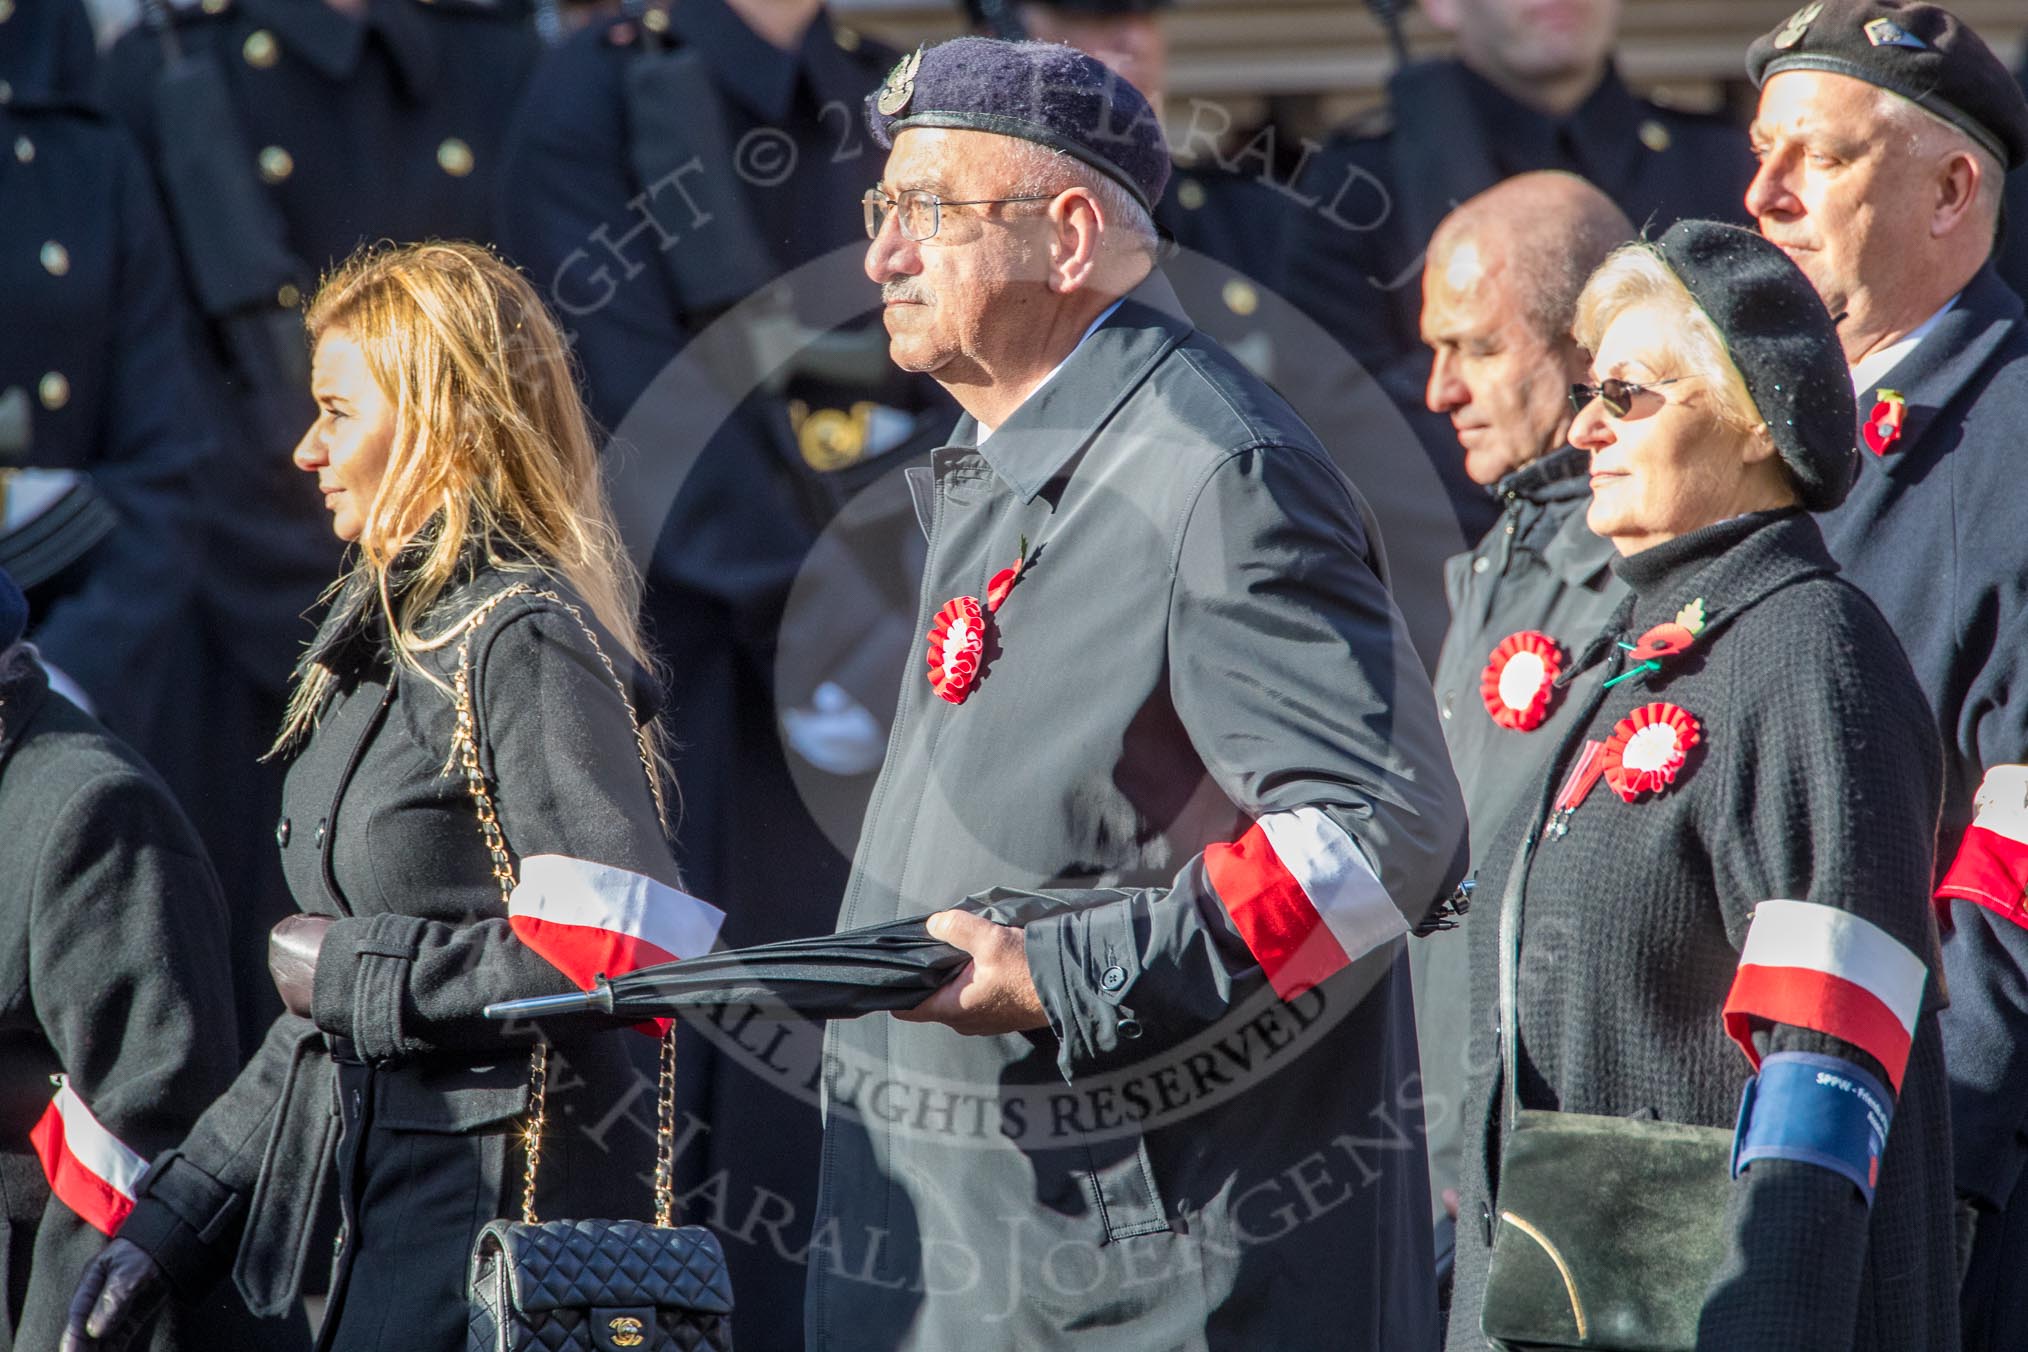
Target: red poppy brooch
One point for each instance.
(1883, 424)
(1519, 683)
(957, 636)
(1650, 650)
(1647, 748)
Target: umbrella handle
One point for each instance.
(599, 999)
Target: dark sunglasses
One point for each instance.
(1616, 395)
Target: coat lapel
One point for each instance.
(1963, 342)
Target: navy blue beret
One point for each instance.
(1784, 343)
(13, 611)
(1922, 52)
(1044, 92)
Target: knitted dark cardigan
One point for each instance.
(1816, 780)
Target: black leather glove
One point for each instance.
(292, 959)
(118, 1297)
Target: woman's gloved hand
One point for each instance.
(118, 1297)
(292, 959)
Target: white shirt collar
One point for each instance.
(1107, 313)
(1870, 370)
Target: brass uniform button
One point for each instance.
(6, 92)
(288, 296)
(848, 38)
(276, 164)
(832, 438)
(215, 6)
(1241, 298)
(260, 49)
(54, 390)
(1655, 136)
(55, 259)
(454, 157)
(6, 10)
(656, 21)
(24, 149)
(1191, 194)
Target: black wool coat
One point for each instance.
(114, 972)
(1816, 780)
(431, 1095)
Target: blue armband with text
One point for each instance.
(1815, 1109)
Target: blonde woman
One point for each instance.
(1724, 876)
(453, 455)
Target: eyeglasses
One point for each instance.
(922, 211)
(1617, 395)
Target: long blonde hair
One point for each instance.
(493, 453)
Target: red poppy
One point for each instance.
(1647, 748)
(1664, 640)
(1883, 424)
(957, 637)
(1003, 582)
(1519, 682)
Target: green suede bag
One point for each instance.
(1608, 1230)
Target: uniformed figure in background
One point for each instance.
(1499, 291)
(684, 186)
(284, 133)
(102, 444)
(1889, 208)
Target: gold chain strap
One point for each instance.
(465, 745)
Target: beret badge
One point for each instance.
(1798, 24)
(900, 86)
(1888, 33)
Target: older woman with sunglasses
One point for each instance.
(1715, 910)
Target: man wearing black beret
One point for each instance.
(1163, 696)
(1884, 132)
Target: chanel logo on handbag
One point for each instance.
(626, 1331)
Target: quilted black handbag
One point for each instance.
(588, 1285)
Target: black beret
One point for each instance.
(1043, 92)
(1922, 52)
(975, 10)
(13, 612)
(1784, 343)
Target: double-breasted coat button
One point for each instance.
(288, 295)
(24, 149)
(1655, 136)
(55, 259)
(282, 833)
(1113, 978)
(54, 390)
(260, 49)
(1241, 298)
(1191, 194)
(454, 157)
(276, 164)
(1481, 564)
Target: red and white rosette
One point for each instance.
(957, 639)
(1520, 680)
(1647, 749)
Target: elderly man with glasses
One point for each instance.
(1884, 131)
(1167, 715)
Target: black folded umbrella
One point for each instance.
(830, 976)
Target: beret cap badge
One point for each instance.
(1888, 33)
(900, 85)
(1798, 24)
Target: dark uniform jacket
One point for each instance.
(116, 979)
(2013, 259)
(98, 402)
(1814, 775)
(1931, 532)
(1540, 568)
(1199, 638)
(429, 1096)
